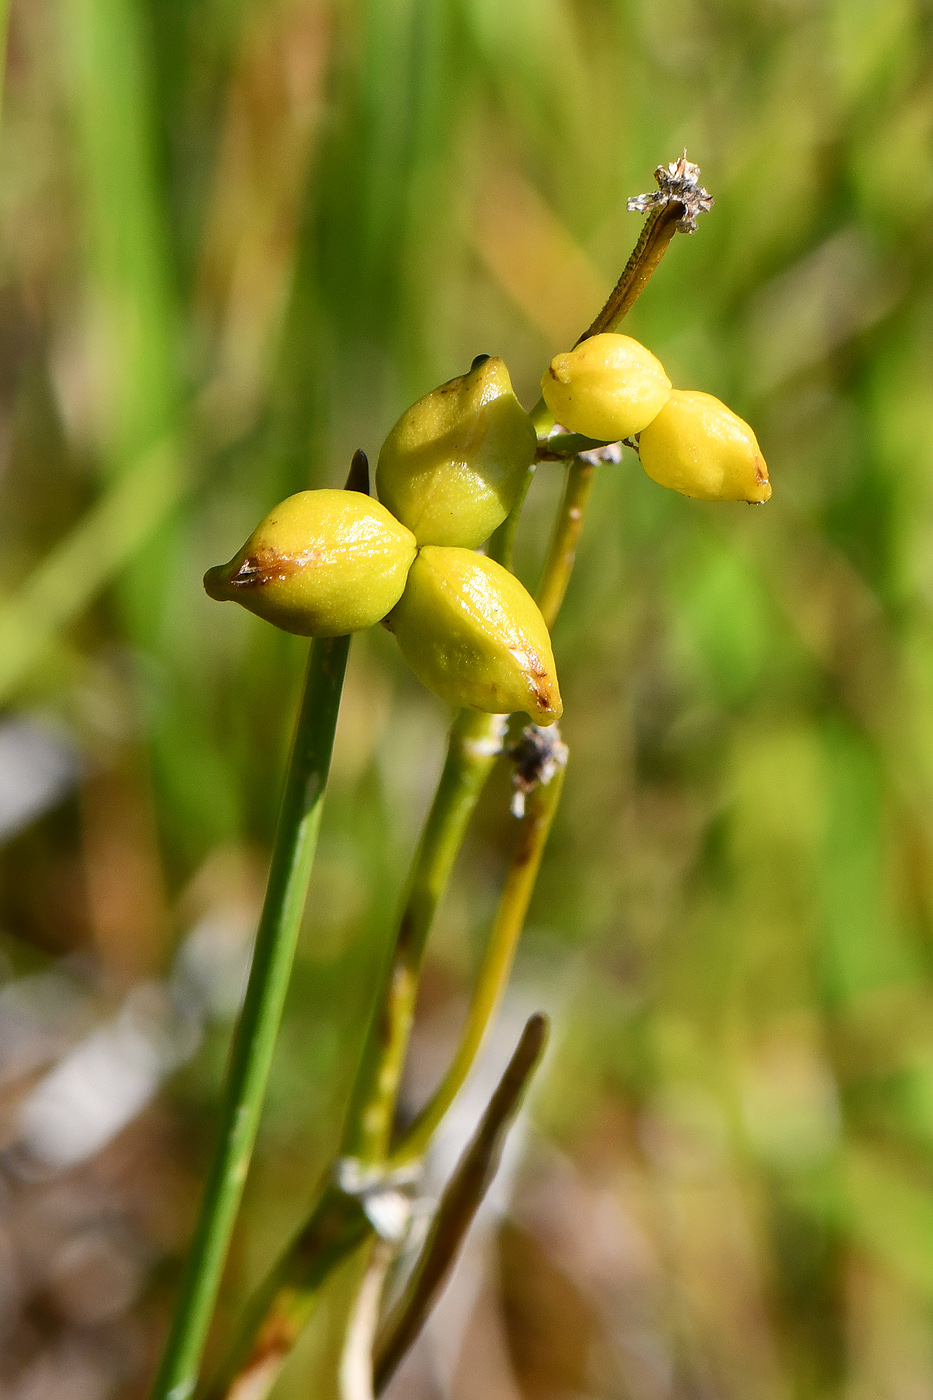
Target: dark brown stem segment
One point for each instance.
(658, 230)
(458, 1206)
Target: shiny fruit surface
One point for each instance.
(321, 564)
(452, 466)
(698, 446)
(608, 387)
(474, 635)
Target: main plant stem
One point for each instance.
(254, 1039)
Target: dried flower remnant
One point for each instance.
(609, 455)
(538, 755)
(678, 183)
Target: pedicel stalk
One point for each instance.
(452, 473)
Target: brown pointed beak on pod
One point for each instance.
(608, 387)
(474, 635)
(321, 564)
(699, 447)
(452, 466)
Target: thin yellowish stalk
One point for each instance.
(567, 529)
(475, 742)
(497, 963)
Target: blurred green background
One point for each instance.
(237, 237)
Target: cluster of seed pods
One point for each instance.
(324, 563)
(610, 387)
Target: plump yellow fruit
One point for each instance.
(475, 636)
(322, 564)
(609, 387)
(698, 446)
(452, 466)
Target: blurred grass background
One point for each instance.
(236, 239)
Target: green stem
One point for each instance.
(562, 446)
(503, 540)
(474, 743)
(254, 1039)
(496, 966)
(287, 1298)
(567, 528)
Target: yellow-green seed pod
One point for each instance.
(698, 446)
(452, 466)
(474, 635)
(322, 564)
(609, 387)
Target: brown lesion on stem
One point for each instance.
(279, 1314)
(274, 1342)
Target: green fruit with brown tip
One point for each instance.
(699, 447)
(452, 466)
(474, 635)
(322, 563)
(608, 387)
